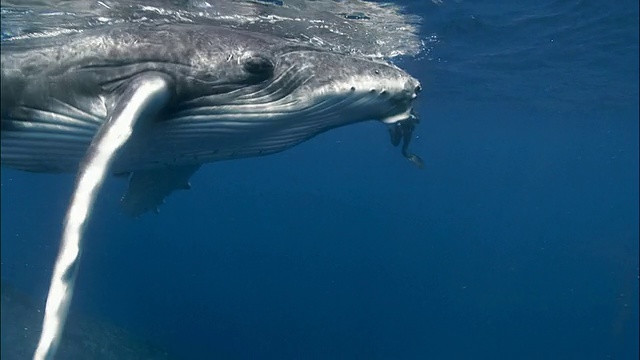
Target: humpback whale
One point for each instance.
(155, 102)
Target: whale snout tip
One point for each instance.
(404, 101)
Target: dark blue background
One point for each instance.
(518, 241)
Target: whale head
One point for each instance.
(320, 88)
(294, 92)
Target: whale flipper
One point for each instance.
(148, 188)
(138, 100)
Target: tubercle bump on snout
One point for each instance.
(410, 89)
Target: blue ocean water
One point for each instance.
(518, 241)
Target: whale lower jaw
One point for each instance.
(398, 117)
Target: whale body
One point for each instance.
(155, 102)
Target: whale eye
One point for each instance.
(258, 65)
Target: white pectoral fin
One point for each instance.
(148, 188)
(140, 100)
